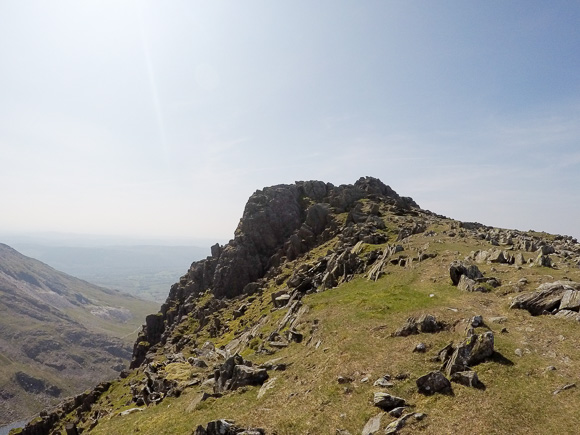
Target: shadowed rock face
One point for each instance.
(279, 222)
(274, 214)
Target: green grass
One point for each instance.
(353, 324)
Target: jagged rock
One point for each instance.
(457, 269)
(294, 336)
(427, 323)
(240, 311)
(546, 298)
(376, 270)
(444, 354)
(500, 257)
(568, 314)
(340, 268)
(278, 221)
(81, 403)
(471, 351)
(280, 299)
(468, 378)
(387, 402)
(383, 381)
(176, 357)
(216, 250)
(543, 261)
(373, 425)
(570, 300)
(235, 372)
(398, 424)
(470, 285)
(476, 321)
(519, 259)
(434, 382)
(397, 412)
(226, 427)
(546, 250)
(268, 385)
(244, 375)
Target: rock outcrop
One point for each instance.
(434, 382)
(226, 427)
(236, 372)
(473, 350)
(549, 298)
(279, 223)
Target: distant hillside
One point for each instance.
(146, 271)
(58, 334)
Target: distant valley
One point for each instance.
(58, 334)
(146, 271)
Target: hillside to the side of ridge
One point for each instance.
(347, 310)
(58, 334)
(146, 271)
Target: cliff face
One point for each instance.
(278, 224)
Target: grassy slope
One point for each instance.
(18, 328)
(356, 320)
(16, 264)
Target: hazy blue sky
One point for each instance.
(160, 118)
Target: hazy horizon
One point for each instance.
(157, 120)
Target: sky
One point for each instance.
(160, 118)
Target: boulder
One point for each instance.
(397, 412)
(519, 259)
(468, 378)
(570, 300)
(226, 427)
(458, 268)
(373, 425)
(471, 351)
(470, 285)
(244, 375)
(387, 402)
(427, 323)
(546, 298)
(235, 372)
(476, 321)
(383, 382)
(434, 382)
(543, 261)
(497, 257)
(398, 424)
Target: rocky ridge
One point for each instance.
(271, 317)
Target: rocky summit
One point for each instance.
(349, 309)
